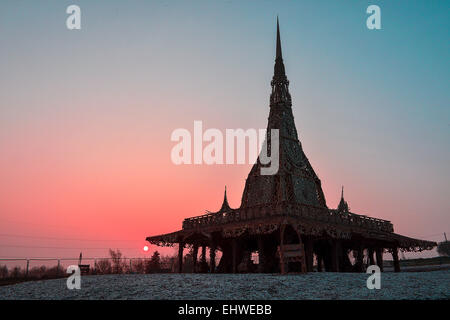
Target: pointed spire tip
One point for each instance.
(279, 52)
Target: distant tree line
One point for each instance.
(118, 264)
(18, 274)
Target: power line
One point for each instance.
(64, 239)
(29, 223)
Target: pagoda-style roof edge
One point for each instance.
(165, 240)
(286, 209)
(306, 227)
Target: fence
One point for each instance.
(126, 265)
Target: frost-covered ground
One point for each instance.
(407, 285)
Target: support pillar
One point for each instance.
(371, 257)
(234, 254)
(180, 256)
(203, 257)
(379, 255)
(396, 261)
(282, 264)
(345, 264)
(261, 255)
(335, 253)
(203, 265)
(327, 260)
(194, 257)
(309, 253)
(359, 259)
(212, 258)
(319, 262)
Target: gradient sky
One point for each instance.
(86, 116)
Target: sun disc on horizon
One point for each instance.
(145, 248)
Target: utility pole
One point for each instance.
(445, 236)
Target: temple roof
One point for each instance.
(295, 181)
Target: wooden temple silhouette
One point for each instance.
(284, 217)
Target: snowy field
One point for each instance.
(407, 285)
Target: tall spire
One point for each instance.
(280, 84)
(279, 53)
(279, 72)
(342, 193)
(295, 182)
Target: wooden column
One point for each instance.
(359, 259)
(203, 257)
(282, 264)
(234, 252)
(212, 258)
(396, 261)
(345, 264)
(379, 255)
(319, 262)
(309, 252)
(261, 256)
(180, 256)
(203, 265)
(303, 262)
(335, 253)
(194, 257)
(371, 257)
